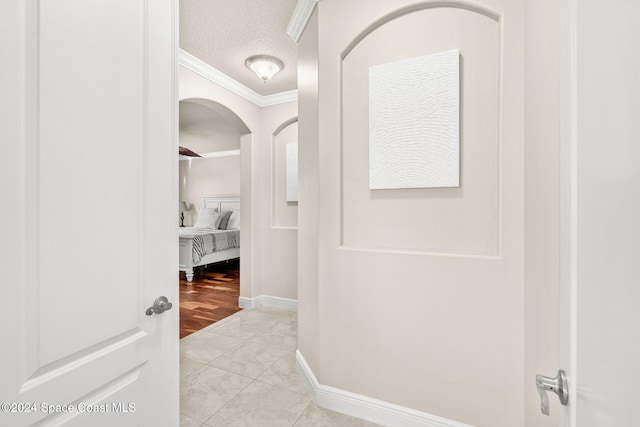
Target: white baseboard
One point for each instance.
(244, 302)
(364, 407)
(268, 301)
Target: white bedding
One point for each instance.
(202, 246)
(207, 241)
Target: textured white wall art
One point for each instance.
(292, 172)
(414, 120)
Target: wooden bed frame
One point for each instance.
(221, 203)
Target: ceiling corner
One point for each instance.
(301, 15)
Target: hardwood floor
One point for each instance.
(212, 296)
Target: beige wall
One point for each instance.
(308, 206)
(415, 297)
(279, 221)
(541, 262)
(460, 220)
(268, 253)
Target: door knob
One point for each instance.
(160, 305)
(558, 385)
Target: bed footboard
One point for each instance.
(186, 257)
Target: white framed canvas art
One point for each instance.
(414, 122)
(292, 172)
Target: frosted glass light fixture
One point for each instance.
(264, 66)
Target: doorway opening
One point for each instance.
(210, 177)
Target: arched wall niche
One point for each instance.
(284, 213)
(417, 7)
(462, 221)
(284, 125)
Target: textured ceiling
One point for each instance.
(224, 33)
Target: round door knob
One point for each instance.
(160, 305)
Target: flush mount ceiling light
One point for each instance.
(264, 66)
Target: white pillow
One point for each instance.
(208, 218)
(234, 221)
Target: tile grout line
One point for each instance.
(271, 385)
(227, 402)
(252, 339)
(200, 369)
(231, 372)
(271, 320)
(302, 413)
(306, 394)
(211, 360)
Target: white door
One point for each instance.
(88, 183)
(600, 260)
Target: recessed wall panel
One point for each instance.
(413, 122)
(463, 220)
(284, 177)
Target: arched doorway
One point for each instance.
(223, 140)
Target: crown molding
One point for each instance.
(301, 15)
(216, 76)
(279, 98)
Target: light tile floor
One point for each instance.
(241, 372)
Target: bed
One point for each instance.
(199, 247)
